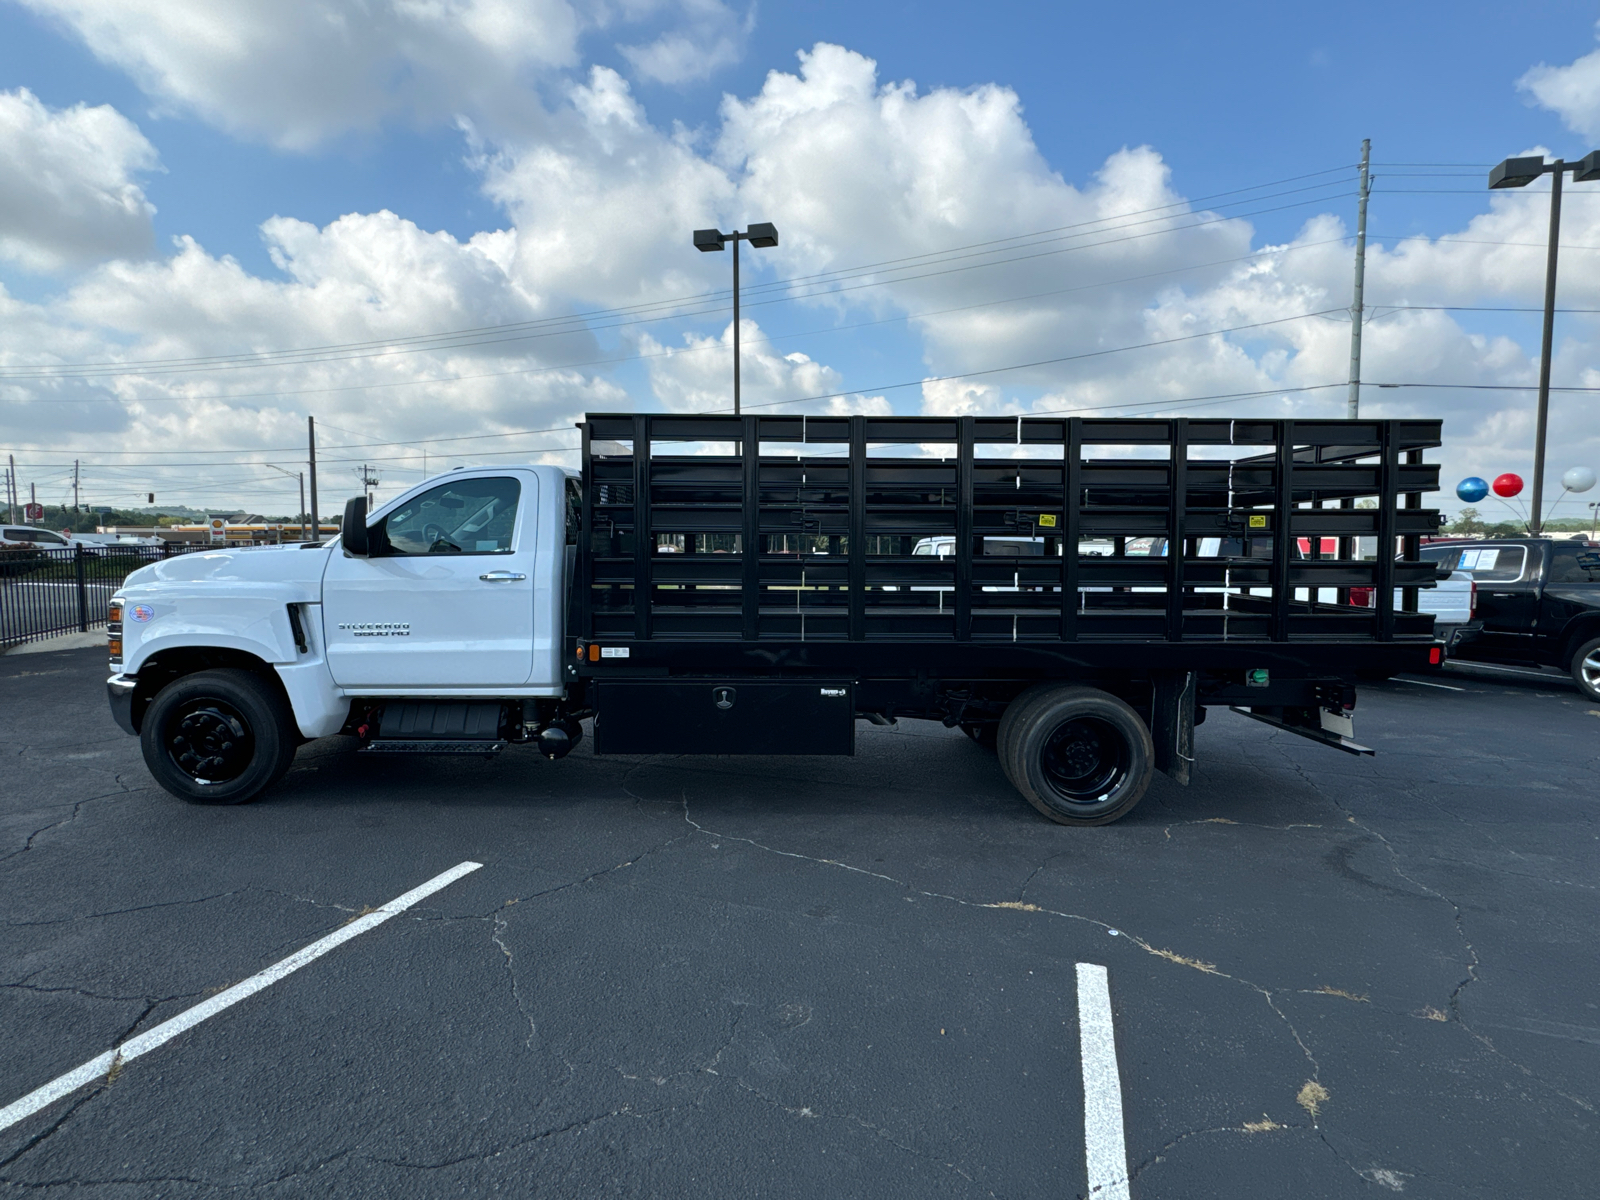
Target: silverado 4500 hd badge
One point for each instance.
(376, 628)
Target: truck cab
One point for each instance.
(450, 592)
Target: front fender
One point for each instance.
(253, 619)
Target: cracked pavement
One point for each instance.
(800, 977)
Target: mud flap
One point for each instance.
(1172, 723)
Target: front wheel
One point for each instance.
(218, 737)
(1079, 755)
(1586, 669)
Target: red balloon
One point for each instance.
(1507, 485)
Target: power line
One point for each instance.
(1445, 237)
(441, 342)
(718, 294)
(1160, 406)
(614, 360)
(1475, 308)
(890, 387)
(1488, 387)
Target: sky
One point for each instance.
(448, 228)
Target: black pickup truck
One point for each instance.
(1538, 599)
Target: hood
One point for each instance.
(247, 564)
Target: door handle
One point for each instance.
(502, 577)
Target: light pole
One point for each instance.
(761, 235)
(1520, 172)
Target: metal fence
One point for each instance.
(48, 592)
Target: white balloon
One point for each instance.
(1578, 479)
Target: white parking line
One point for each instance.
(1105, 1147)
(101, 1066)
(1425, 683)
(1526, 672)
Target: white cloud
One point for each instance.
(605, 209)
(853, 171)
(373, 279)
(964, 398)
(67, 190)
(296, 72)
(698, 377)
(1572, 92)
(712, 36)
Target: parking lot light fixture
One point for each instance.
(1516, 173)
(761, 234)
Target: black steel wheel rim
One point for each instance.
(209, 741)
(1085, 760)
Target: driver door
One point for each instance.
(446, 597)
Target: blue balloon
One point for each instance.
(1472, 489)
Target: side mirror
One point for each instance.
(353, 529)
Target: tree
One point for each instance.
(1468, 520)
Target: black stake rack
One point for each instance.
(812, 530)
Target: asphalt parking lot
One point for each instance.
(1328, 976)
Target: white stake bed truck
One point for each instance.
(754, 585)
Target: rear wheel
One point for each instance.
(1586, 669)
(1079, 755)
(218, 737)
(1015, 712)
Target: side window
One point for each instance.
(466, 516)
(1494, 564)
(1575, 564)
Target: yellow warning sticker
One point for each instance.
(1258, 522)
(1048, 520)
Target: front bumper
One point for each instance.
(119, 690)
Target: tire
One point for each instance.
(985, 733)
(1586, 669)
(218, 737)
(1014, 712)
(1080, 756)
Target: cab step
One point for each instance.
(437, 727)
(432, 746)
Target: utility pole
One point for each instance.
(302, 506)
(33, 494)
(316, 519)
(736, 240)
(74, 485)
(1357, 303)
(11, 488)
